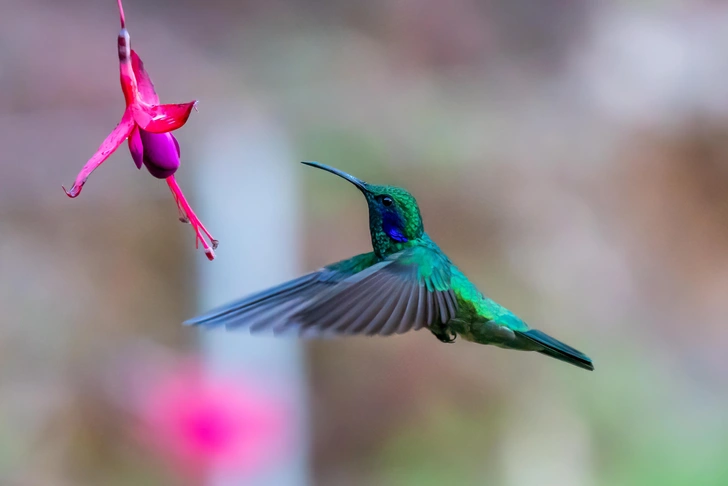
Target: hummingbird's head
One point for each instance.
(394, 217)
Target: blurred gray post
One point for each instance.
(247, 196)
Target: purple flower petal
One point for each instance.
(136, 147)
(160, 153)
(176, 144)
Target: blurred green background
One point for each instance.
(571, 157)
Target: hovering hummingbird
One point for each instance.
(407, 283)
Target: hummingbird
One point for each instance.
(405, 284)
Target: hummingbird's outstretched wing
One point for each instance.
(409, 290)
(277, 302)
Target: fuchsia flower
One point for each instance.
(197, 422)
(147, 126)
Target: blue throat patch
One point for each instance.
(391, 223)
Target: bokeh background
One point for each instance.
(571, 157)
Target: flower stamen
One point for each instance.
(189, 215)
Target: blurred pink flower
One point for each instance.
(146, 124)
(197, 422)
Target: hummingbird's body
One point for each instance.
(406, 283)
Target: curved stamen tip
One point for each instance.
(215, 244)
(75, 191)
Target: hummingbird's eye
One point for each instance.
(387, 201)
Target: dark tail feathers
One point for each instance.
(556, 349)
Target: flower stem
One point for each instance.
(121, 14)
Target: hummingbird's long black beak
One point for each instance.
(357, 182)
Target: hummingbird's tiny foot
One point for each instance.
(446, 336)
(449, 340)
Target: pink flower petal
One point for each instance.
(200, 230)
(108, 146)
(161, 118)
(144, 82)
(136, 148)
